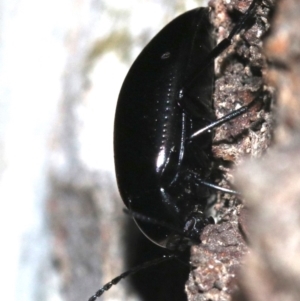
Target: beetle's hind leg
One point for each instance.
(225, 43)
(220, 47)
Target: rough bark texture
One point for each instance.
(239, 80)
(271, 187)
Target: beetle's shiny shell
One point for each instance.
(151, 128)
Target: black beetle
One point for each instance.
(162, 162)
(153, 159)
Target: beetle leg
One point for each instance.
(226, 118)
(170, 205)
(217, 50)
(236, 30)
(213, 186)
(216, 187)
(153, 221)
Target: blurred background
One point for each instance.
(62, 229)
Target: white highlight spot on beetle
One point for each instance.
(160, 159)
(166, 55)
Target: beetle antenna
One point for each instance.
(153, 221)
(132, 271)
